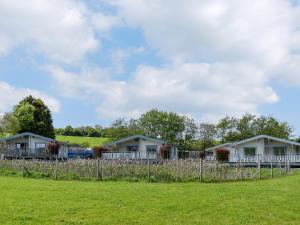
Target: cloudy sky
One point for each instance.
(93, 61)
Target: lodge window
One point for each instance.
(297, 150)
(21, 146)
(132, 148)
(40, 145)
(151, 148)
(279, 150)
(249, 151)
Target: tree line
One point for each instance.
(32, 115)
(185, 131)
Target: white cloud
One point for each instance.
(259, 31)
(104, 23)
(62, 30)
(207, 91)
(11, 95)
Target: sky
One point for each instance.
(95, 61)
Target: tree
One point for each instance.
(168, 126)
(207, 135)
(273, 127)
(245, 126)
(9, 124)
(232, 129)
(68, 131)
(34, 116)
(226, 129)
(190, 135)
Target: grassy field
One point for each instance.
(93, 141)
(29, 201)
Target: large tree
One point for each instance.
(168, 126)
(34, 116)
(232, 129)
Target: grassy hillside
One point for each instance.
(29, 201)
(93, 141)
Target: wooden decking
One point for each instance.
(129, 155)
(293, 158)
(26, 153)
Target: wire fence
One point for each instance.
(144, 170)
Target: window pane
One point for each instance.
(250, 151)
(151, 148)
(279, 150)
(40, 145)
(132, 148)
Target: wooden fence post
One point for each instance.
(200, 170)
(23, 167)
(148, 162)
(280, 170)
(286, 167)
(259, 168)
(271, 168)
(56, 168)
(99, 175)
(241, 169)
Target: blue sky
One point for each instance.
(95, 61)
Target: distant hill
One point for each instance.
(93, 141)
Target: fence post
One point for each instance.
(148, 162)
(241, 169)
(23, 167)
(56, 167)
(200, 170)
(99, 176)
(259, 168)
(271, 168)
(280, 170)
(286, 167)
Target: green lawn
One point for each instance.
(93, 141)
(30, 201)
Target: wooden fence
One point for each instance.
(143, 170)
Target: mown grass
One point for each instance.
(93, 141)
(31, 201)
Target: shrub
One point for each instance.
(202, 154)
(98, 150)
(222, 154)
(165, 151)
(53, 147)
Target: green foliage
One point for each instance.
(9, 124)
(34, 116)
(168, 126)
(233, 129)
(207, 135)
(84, 131)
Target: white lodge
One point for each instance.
(263, 147)
(140, 147)
(28, 145)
